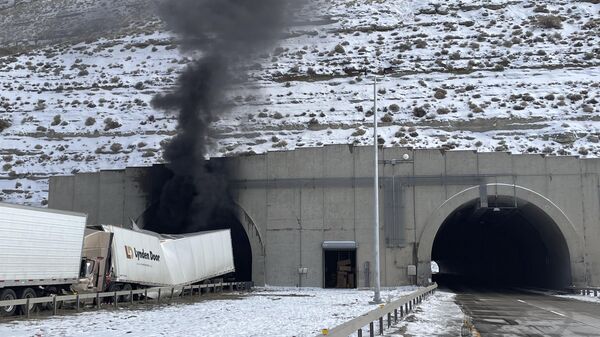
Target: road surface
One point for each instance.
(514, 313)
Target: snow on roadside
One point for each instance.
(581, 298)
(439, 315)
(271, 311)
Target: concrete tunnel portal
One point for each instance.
(222, 217)
(509, 243)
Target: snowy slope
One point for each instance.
(519, 76)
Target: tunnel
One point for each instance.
(221, 217)
(510, 243)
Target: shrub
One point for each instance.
(440, 93)
(443, 111)
(358, 132)
(56, 120)
(116, 147)
(110, 124)
(421, 44)
(387, 118)
(394, 108)
(4, 124)
(549, 21)
(419, 111)
(281, 143)
(90, 121)
(339, 49)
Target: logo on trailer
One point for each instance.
(129, 252)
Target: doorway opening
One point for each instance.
(339, 268)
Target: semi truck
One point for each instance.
(116, 258)
(47, 252)
(40, 252)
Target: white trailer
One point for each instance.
(123, 259)
(40, 252)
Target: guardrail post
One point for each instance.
(116, 300)
(146, 296)
(27, 308)
(77, 303)
(54, 305)
(172, 291)
(401, 310)
(396, 315)
(97, 300)
(371, 330)
(595, 293)
(158, 298)
(381, 325)
(389, 319)
(360, 332)
(131, 296)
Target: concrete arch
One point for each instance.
(435, 220)
(256, 244)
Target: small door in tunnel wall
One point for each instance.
(339, 268)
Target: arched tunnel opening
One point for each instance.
(221, 217)
(509, 243)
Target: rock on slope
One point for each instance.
(519, 76)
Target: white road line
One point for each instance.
(552, 311)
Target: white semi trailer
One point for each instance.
(121, 259)
(44, 252)
(40, 252)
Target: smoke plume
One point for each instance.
(226, 33)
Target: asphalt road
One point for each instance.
(514, 313)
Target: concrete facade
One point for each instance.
(291, 202)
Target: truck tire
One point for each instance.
(111, 289)
(27, 293)
(8, 295)
(51, 291)
(125, 298)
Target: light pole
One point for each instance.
(377, 295)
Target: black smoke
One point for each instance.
(226, 34)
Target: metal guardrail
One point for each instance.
(586, 291)
(131, 296)
(392, 311)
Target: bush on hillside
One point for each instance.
(549, 21)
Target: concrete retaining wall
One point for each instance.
(298, 199)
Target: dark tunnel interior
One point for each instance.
(221, 218)
(507, 244)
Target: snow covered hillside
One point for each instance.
(519, 76)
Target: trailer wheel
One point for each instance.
(126, 298)
(8, 295)
(27, 293)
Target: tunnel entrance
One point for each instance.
(509, 243)
(222, 217)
